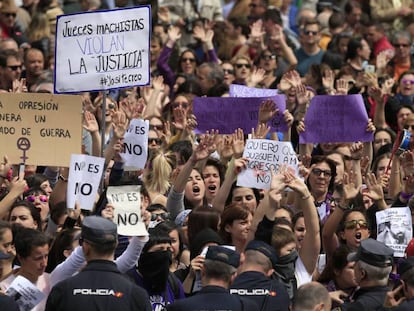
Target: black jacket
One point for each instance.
(212, 298)
(367, 299)
(99, 286)
(268, 294)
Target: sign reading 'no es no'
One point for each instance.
(103, 50)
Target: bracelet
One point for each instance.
(62, 178)
(306, 197)
(406, 196)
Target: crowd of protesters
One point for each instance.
(307, 243)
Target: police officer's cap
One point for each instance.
(374, 253)
(405, 265)
(264, 248)
(99, 230)
(223, 254)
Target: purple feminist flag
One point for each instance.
(237, 90)
(339, 118)
(227, 114)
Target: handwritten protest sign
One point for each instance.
(32, 131)
(127, 209)
(237, 90)
(394, 228)
(103, 50)
(136, 145)
(339, 118)
(85, 174)
(226, 114)
(25, 293)
(265, 155)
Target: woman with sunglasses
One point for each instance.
(268, 62)
(187, 61)
(40, 200)
(242, 70)
(348, 223)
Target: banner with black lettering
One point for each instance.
(394, 228)
(126, 201)
(265, 155)
(135, 145)
(102, 50)
(85, 174)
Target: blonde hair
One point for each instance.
(39, 27)
(158, 171)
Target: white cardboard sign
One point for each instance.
(85, 174)
(126, 201)
(103, 50)
(136, 145)
(265, 155)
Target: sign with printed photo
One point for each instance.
(394, 228)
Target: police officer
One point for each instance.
(99, 286)
(219, 269)
(373, 264)
(254, 280)
(401, 298)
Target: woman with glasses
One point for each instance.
(187, 61)
(321, 181)
(268, 62)
(40, 200)
(242, 70)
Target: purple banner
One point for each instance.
(338, 118)
(227, 114)
(237, 90)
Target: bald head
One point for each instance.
(312, 297)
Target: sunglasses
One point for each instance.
(156, 127)
(10, 14)
(238, 66)
(407, 81)
(163, 216)
(409, 127)
(111, 106)
(32, 198)
(186, 59)
(178, 104)
(268, 57)
(309, 32)
(253, 5)
(15, 67)
(352, 224)
(229, 71)
(401, 45)
(319, 172)
(158, 141)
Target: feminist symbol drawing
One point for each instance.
(23, 144)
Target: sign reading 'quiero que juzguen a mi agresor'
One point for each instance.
(103, 50)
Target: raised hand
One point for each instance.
(341, 87)
(119, 123)
(375, 190)
(261, 131)
(89, 122)
(174, 33)
(238, 143)
(267, 111)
